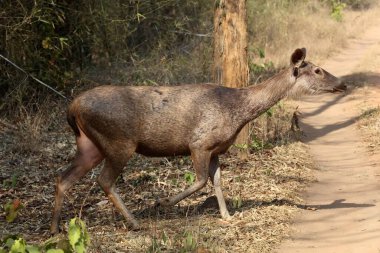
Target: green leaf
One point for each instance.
(32, 249)
(18, 246)
(74, 234)
(241, 146)
(190, 244)
(261, 52)
(14, 180)
(80, 248)
(269, 112)
(189, 177)
(78, 236)
(9, 242)
(11, 216)
(237, 202)
(86, 236)
(55, 251)
(165, 237)
(58, 242)
(11, 210)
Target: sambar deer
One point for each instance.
(202, 120)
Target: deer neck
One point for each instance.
(259, 98)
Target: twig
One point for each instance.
(30, 75)
(84, 200)
(7, 125)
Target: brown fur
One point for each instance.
(201, 120)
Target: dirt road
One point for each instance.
(342, 211)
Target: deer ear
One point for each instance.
(298, 57)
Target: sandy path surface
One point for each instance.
(342, 211)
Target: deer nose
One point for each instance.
(340, 87)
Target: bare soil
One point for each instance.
(342, 211)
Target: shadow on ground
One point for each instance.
(353, 81)
(210, 206)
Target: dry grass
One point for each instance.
(369, 125)
(366, 82)
(306, 24)
(188, 64)
(29, 131)
(261, 193)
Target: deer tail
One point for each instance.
(72, 122)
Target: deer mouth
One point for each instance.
(340, 88)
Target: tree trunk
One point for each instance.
(230, 53)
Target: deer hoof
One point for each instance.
(54, 230)
(226, 217)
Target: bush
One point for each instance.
(55, 41)
(77, 241)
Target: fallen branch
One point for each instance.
(30, 75)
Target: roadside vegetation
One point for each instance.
(366, 81)
(369, 124)
(74, 46)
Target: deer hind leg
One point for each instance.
(87, 157)
(214, 172)
(106, 180)
(201, 162)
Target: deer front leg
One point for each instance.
(201, 161)
(214, 173)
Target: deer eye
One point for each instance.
(318, 71)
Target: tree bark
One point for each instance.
(230, 53)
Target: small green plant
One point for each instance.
(77, 242)
(78, 236)
(337, 10)
(158, 244)
(241, 146)
(183, 243)
(189, 177)
(13, 244)
(270, 112)
(189, 243)
(268, 171)
(257, 69)
(174, 182)
(256, 144)
(237, 202)
(12, 182)
(12, 209)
